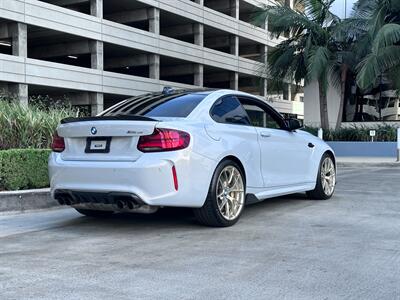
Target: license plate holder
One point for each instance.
(98, 145)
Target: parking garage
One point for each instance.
(121, 49)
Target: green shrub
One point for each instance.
(23, 169)
(358, 133)
(30, 127)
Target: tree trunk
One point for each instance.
(323, 107)
(343, 78)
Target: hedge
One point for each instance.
(358, 133)
(23, 169)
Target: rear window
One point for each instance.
(174, 106)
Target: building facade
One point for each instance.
(98, 52)
(378, 106)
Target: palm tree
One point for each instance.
(346, 34)
(310, 53)
(373, 37)
(380, 41)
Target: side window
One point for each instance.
(259, 117)
(229, 110)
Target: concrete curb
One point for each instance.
(361, 164)
(366, 165)
(19, 201)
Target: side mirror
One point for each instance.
(293, 124)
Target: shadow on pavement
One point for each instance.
(182, 218)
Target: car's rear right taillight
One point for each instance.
(164, 140)
(58, 144)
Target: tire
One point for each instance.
(214, 212)
(94, 213)
(321, 193)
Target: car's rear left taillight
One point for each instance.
(58, 144)
(164, 140)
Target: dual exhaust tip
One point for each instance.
(65, 200)
(121, 204)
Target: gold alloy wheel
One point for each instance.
(230, 193)
(328, 176)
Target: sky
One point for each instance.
(339, 5)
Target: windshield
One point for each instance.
(153, 106)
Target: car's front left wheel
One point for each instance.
(226, 196)
(326, 180)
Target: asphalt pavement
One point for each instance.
(347, 247)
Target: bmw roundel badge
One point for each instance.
(93, 130)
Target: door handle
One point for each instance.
(265, 134)
(311, 145)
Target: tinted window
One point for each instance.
(260, 117)
(229, 110)
(175, 106)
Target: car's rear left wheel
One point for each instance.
(226, 196)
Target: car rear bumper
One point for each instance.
(149, 179)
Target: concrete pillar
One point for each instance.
(19, 90)
(154, 20)
(154, 66)
(198, 30)
(264, 87)
(19, 33)
(234, 41)
(199, 75)
(234, 5)
(234, 81)
(97, 55)
(289, 92)
(264, 81)
(96, 103)
(154, 27)
(96, 100)
(96, 8)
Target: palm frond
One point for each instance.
(388, 35)
(368, 71)
(348, 58)
(280, 60)
(319, 11)
(282, 19)
(389, 57)
(318, 61)
(350, 29)
(364, 8)
(395, 6)
(378, 20)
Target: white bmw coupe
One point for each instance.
(211, 150)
